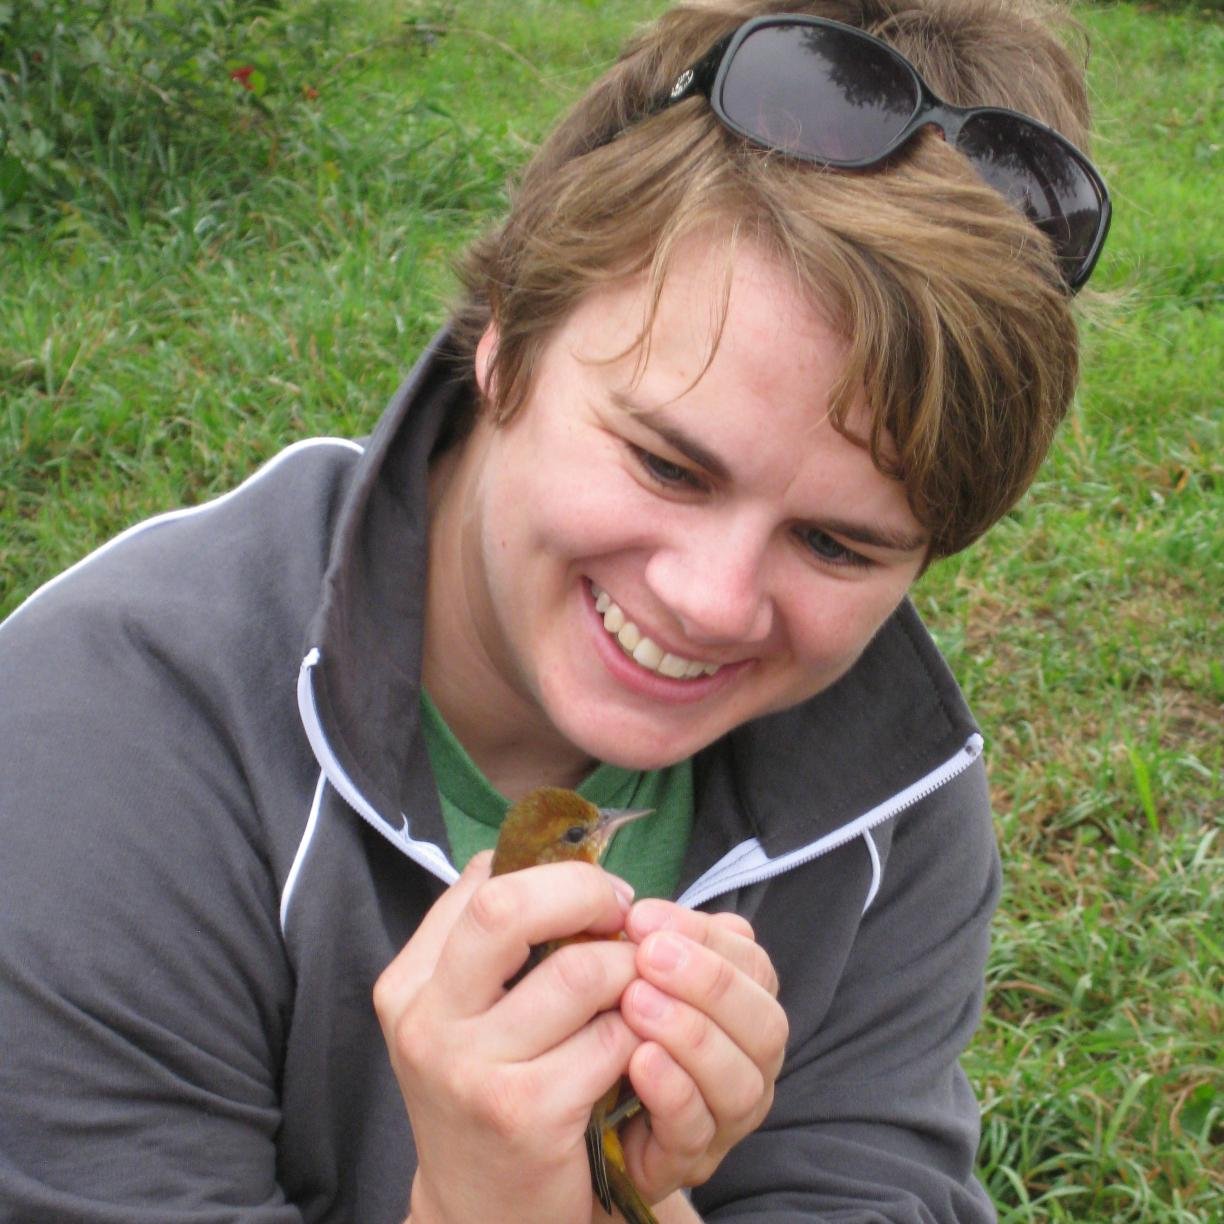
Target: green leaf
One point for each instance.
(1217, 676)
(1143, 785)
(1196, 1114)
(1216, 950)
(13, 181)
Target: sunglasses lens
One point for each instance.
(818, 92)
(1039, 175)
(831, 94)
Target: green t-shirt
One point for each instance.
(648, 853)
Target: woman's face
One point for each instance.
(649, 555)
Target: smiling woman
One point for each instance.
(641, 522)
(702, 488)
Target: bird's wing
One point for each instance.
(595, 1155)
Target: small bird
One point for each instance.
(553, 825)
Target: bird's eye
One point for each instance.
(575, 834)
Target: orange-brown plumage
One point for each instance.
(553, 825)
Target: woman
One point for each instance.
(764, 334)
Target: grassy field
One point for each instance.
(154, 349)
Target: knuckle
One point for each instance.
(702, 1129)
(577, 970)
(499, 1103)
(492, 907)
(707, 1132)
(744, 1100)
(682, 1120)
(610, 1032)
(413, 1049)
(695, 1142)
(722, 980)
(384, 998)
(764, 973)
(679, 1091)
(737, 924)
(776, 1034)
(701, 1033)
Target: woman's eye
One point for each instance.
(664, 471)
(828, 549)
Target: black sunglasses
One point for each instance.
(829, 93)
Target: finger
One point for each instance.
(727, 934)
(681, 1125)
(712, 985)
(734, 1088)
(674, 1142)
(560, 995)
(507, 915)
(579, 1070)
(416, 961)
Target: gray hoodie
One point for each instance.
(218, 824)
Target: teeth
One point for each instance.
(648, 655)
(673, 666)
(629, 637)
(640, 648)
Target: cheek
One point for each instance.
(834, 629)
(572, 518)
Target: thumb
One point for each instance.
(416, 961)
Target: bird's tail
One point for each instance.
(599, 1165)
(620, 1188)
(627, 1199)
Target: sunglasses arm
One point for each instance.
(698, 79)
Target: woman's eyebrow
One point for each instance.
(874, 535)
(675, 437)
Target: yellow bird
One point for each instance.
(552, 825)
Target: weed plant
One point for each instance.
(119, 105)
(179, 300)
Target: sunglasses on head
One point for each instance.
(829, 93)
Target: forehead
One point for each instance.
(710, 286)
(725, 319)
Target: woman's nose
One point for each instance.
(713, 581)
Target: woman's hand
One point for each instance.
(499, 1084)
(713, 1039)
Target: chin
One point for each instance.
(644, 752)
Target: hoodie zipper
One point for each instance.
(743, 866)
(748, 864)
(430, 856)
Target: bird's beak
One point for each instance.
(611, 819)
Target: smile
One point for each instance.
(640, 648)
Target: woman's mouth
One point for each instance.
(646, 653)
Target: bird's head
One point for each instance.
(552, 825)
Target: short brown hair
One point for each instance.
(958, 324)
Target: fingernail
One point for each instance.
(624, 892)
(665, 953)
(651, 1003)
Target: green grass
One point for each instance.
(152, 355)
(1086, 631)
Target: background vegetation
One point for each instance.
(226, 224)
